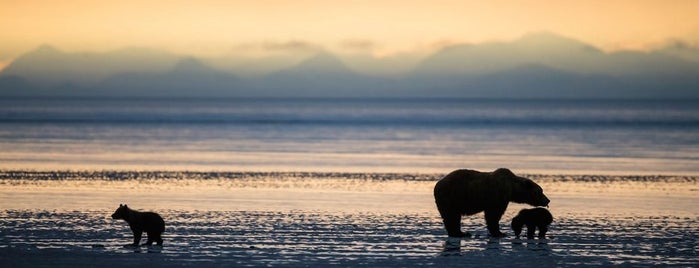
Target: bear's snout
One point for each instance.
(542, 201)
(545, 202)
(115, 216)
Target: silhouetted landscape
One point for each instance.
(540, 65)
(360, 133)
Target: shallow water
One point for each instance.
(360, 135)
(260, 238)
(334, 219)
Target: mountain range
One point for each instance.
(540, 65)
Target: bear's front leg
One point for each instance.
(530, 231)
(517, 231)
(542, 231)
(137, 237)
(492, 219)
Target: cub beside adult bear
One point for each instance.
(467, 192)
(535, 218)
(150, 222)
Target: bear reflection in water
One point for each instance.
(467, 192)
(452, 246)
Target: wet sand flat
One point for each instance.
(61, 219)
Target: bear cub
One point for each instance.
(533, 218)
(139, 222)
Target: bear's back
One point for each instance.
(537, 215)
(471, 191)
(151, 221)
(465, 177)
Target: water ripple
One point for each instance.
(309, 238)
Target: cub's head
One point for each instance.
(524, 190)
(517, 224)
(121, 213)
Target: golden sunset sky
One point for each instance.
(211, 27)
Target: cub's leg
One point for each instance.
(137, 237)
(542, 231)
(530, 231)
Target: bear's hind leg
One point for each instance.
(452, 222)
(157, 237)
(154, 237)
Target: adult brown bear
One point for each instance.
(150, 222)
(467, 192)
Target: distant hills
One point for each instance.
(541, 65)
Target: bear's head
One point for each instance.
(517, 224)
(524, 190)
(121, 213)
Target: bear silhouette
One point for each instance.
(467, 192)
(535, 218)
(139, 222)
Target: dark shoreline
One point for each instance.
(109, 175)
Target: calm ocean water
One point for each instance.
(409, 135)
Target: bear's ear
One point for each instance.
(125, 206)
(529, 184)
(503, 172)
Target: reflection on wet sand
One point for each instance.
(311, 219)
(452, 246)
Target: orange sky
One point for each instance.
(212, 27)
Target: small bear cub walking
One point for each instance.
(150, 222)
(533, 218)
